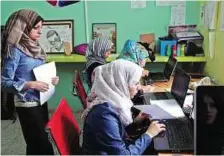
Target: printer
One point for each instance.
(192, 40)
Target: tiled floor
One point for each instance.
(12, 141)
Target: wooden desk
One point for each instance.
(161, 86)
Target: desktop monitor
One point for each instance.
(209, 103)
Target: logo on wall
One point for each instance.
(61, 3)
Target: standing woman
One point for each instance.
(22, 54)
(97, 52)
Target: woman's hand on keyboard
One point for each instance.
(155, 128)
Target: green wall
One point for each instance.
(214, 66)
(130, 24)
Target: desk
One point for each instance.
(161, 87)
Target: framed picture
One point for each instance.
(106, 29)
(57, 36)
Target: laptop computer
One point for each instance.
(178, 92)
(178, 136)
(209, 127)
(165, 75)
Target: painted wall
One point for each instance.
(130, 24)
(214, 66)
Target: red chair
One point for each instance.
(78, 89)
(63, 130)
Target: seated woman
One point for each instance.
(108, 111)
(134, 52)
(97, 52)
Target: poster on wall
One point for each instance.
(107, 30)
(222, 16)
(178, 15)
(138, 4)
(57, 36)
(170, 3)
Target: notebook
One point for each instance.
(165, 75)
(178, 136)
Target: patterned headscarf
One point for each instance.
(16, 34)
(97, 49)
(111, 84)
(132, 52)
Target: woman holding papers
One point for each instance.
(22, 53)
(97, 52)
(108, 111)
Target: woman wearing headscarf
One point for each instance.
(21, 54)
(132, 51)
(108, 111)
(97, 52)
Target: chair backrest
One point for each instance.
(78, 89)
(63, 130)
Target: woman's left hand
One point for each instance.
(55, 80)
(141, 116)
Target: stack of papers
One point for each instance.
(162, 109)
(45, 73)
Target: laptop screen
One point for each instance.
(209, 103)
(180, 85)
(170, 65)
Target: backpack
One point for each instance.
(7, 106)
(7, 101)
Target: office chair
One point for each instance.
(78, 89)
(63, 130)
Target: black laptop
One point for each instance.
(178, 136)
(165, 75)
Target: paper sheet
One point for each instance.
(169, 3)
(202, 15)
(45, 73)
(138, 4)
(170, 106)
(178, 15)
(188, 102)
(222, 16)
(211, 10)
(211, 40)
(154, 111)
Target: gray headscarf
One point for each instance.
(97, 49)
(111, 83)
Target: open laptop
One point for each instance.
(178, 136)
(178, 89)
(165, 75)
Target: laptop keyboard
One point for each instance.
(178, 134)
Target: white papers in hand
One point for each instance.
(45, 73)
(170, 106)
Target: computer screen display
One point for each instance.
(209, 103)
(170, 65)
(180, 85)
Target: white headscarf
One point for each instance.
(111, 84)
